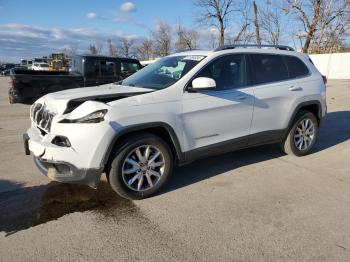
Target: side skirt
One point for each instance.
(262, 138)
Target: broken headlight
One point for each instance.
(95, 117)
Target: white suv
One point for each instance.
(183, 107)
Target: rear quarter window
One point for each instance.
(296, 67)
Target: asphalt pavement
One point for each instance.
(251, 205)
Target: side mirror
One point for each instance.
(203, 83)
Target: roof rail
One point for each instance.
(280, 47)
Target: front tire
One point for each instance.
(140, 167)
(302, 135)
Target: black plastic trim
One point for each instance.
(142, 127)
(226, 47)
(216, 149)
(266, 137)
(301, 105)
(261, 138)
(26, 144)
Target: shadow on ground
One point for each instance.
(335, 129)
(25, 207)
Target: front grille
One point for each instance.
(41, 116)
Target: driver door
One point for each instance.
(219, 119)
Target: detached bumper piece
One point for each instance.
(67, 173)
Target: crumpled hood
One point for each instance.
(67, 100)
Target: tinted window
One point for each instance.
(97, 67)
(296, 67)
(228, 72)
(108, 68)
(129, 67)
(269, 68)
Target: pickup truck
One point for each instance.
(87, 70)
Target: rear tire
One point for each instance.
(140, 166)
(302, 135)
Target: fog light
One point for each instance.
(61, 141)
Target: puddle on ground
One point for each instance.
(30, 206)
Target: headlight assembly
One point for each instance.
(95, 117)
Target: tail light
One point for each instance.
(324, 79)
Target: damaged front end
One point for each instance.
(70, 133)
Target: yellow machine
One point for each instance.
(58, 62)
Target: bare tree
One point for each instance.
(271, 22)
(112, 49)
(145, 50)
(256, 24)
(186, 39)
(93, 49)
(126, 47)
(244, 36)
(324, 22)
(334, 26)
(243, 22)
(162, 39)
(302, 9)
(215, 13)
(70, 51)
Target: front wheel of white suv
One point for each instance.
(141, 166)
(302, 135)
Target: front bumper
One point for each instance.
(67, 173)
(81, 163)
(63, 171)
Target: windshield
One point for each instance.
(164, 72)
(44, 65)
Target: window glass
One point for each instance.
(269, 68)
(110, 68)
(107, 68)
(228, 72)
(129, 67)
(296, 67)
(163, 73)
(97, 67)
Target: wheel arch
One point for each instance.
(313, 106)
(161, 129)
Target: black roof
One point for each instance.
(109, 57)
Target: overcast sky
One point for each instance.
(39, 27)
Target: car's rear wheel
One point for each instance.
(302, 135)
(140, 167)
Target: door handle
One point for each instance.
(295, 88)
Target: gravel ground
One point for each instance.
(250, 205)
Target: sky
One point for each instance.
(38, 27)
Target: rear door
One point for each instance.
(276, 90)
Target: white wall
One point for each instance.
(334, 66)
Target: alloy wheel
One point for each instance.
(304, 134)
(143, 167)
